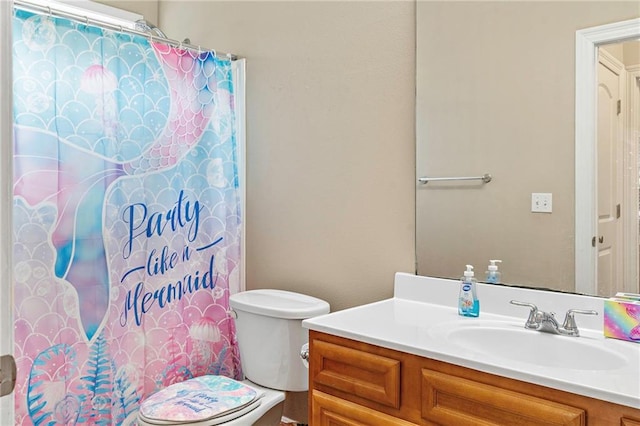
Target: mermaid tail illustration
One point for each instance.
(192, 103)
(47, 169)
(50, 169)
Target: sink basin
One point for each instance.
(513, 342)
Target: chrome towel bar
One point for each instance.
(485, 178)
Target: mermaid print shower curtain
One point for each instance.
(126, 223)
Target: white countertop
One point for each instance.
(409, 322)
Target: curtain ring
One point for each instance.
(199, 50)
(215, 55)
(49, 9)
(86, 21)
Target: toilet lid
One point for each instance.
(199, 399)
(278, 304)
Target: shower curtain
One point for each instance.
(126, 223)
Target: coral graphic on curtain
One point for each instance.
(126, 220)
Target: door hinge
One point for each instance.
(619, 106)
(7, 374)
(593, 241)
(618, 211)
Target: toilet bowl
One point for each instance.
(270, 334)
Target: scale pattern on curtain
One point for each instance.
(126, 220)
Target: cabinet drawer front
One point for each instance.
(448, 399)
(629, 422)
(332, 411)
(372, 377)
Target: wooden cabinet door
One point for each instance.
(452, 400)
(373, 378)
(328, 410)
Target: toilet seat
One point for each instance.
(206, 422)
(205, 400)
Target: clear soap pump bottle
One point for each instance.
(493, 275)
(468, 303)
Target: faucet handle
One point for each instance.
(570, 322)
(532, 321)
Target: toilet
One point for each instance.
(270, 336)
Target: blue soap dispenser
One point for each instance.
(493, 275)
(468, 303)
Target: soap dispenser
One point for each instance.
(468, 303)
(493, 275)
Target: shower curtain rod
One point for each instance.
(34, 7)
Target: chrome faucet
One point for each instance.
(546, 321)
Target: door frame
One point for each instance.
(6, 204)
(587, 42)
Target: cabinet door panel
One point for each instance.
(629, 422)
(328, 410)
(373, 377)
(448, 399)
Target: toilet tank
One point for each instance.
(270, 334)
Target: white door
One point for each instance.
(632, 188)
(609, 176)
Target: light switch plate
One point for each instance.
(541, 202)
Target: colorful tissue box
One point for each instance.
(622, 317)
